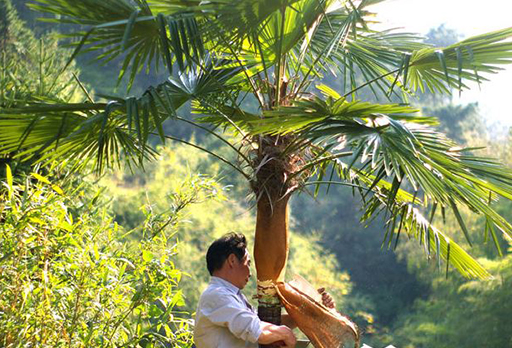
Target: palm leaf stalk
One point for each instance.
(304, 133)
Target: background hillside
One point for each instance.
(389, 288)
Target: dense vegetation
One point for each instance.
(69, 278)
(124, 239)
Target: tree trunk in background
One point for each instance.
(270, 255)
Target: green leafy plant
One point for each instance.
(67, 278)
(33, 69)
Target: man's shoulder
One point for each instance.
(215, 292)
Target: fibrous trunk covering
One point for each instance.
(325, 327)
(271, 240)
(270, 255)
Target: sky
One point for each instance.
(469, 18)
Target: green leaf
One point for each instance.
(448, 257)
(79, 47)
(459, 67)
(460, 220)
(442, 60)
(164, 41)
(328, 91)
(57, 189)
(96, 252)
(41, 178)
(8, 175)
(490, 226)
(147, 256)
(129, 28)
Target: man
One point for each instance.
(224, 317)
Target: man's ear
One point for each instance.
(231, 260)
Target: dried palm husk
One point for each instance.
(325, 327)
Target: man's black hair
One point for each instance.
(219, 251)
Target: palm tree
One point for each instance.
(218, 54)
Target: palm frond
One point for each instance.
(100, 134)
(69, 135)
(241, 19)
(417, 67)
(402, 214)
(408, 219)
(343, 39)
(311, 115)
(113, 132)
(130, 31)
(285, 28)
(430, 164)
(392, 145)
(386, 59)
(439, 70)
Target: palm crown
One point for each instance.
(216, 53)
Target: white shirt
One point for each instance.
(224, 318)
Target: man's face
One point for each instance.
(242, 270)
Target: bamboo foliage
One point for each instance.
(68, 280)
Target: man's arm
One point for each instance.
(243, 323)
(223, 309)
(271, 333)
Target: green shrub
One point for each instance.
(68, 279)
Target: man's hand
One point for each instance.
(275, 333)
(327, 299)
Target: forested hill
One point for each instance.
(388, 287)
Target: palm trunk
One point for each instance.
(270, 255)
